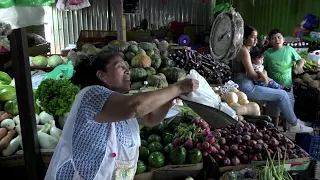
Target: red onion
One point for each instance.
(205, 145)
(210, 139)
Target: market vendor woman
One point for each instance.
(100, 139)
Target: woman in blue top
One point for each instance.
(100, 139)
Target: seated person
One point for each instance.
(257, 62)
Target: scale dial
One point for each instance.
(226, 36)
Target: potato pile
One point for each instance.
(312, 81)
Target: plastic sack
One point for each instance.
(11, 3)
(61, 5)
(206, 96)
(72, 4)
(20, 16)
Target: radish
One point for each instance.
(177, 142)
(204, 153)
(205, 145)
(212, 150)
(196, 121)
(205, 133)
(188, 143)
(199, 146)
(210, 139)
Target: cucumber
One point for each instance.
(262, 117)
(257, 121)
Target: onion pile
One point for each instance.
(244, 142)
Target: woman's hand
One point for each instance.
(188, 85)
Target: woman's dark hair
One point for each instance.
(256, 52)
(273, 32)
(248, 31)
(86, 71)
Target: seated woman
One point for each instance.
(244, 75)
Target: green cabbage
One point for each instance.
(54, 61)
(39, 61)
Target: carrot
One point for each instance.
(5, 140)
(4, 116)
(3, 132)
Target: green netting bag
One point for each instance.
(10, 3)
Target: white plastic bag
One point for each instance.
(61, 5)
(206, 96)
(72, 4)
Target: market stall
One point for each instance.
(235, 140)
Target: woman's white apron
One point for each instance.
(119, 162)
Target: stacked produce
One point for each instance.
(10, 133)
(203, 63)
(244, 142)
(312, 80)
(183, 142)
(51, 61)
(239, 102)
(309, 64)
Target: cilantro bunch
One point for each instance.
(56, 96)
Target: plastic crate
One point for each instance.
(304, 94)
(310, 142)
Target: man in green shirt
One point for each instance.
(278, 62)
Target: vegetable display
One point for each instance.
(244, 142)
(239, 102)
(203, 63)
(56, 96)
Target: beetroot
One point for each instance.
(239, 124)
(258, 147)
(290, 146)
(235, 161)
(266, 137)
(238, 153)
(222, 141)
(239, 139)
(226, 161)
(217, 146)
(244, 159)
(257, 135)
(252, 143)
(260, 141)
(242, 147)
(218, 157)
(205, 153)
(233, 148)
(199, 146)
(226, 148)
(273, 143)
(222, 152)
(246, 138)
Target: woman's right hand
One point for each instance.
(187, 86)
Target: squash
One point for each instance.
(137, 85)
(130, 55)
(174, 74)
(167, 62)
(146, 46)
(154, 45)
(133, 48)
(118, 45)
(156, 51)
(243, 101)
(141, 51)
(241, 95)
(164, 54)
(155, 61)
(163, 45)
(251, 109)
(229, 98)
(150, 52)
(138, 74)
(156, 41)
(158, 81)
(151, 71)
(141, 61)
